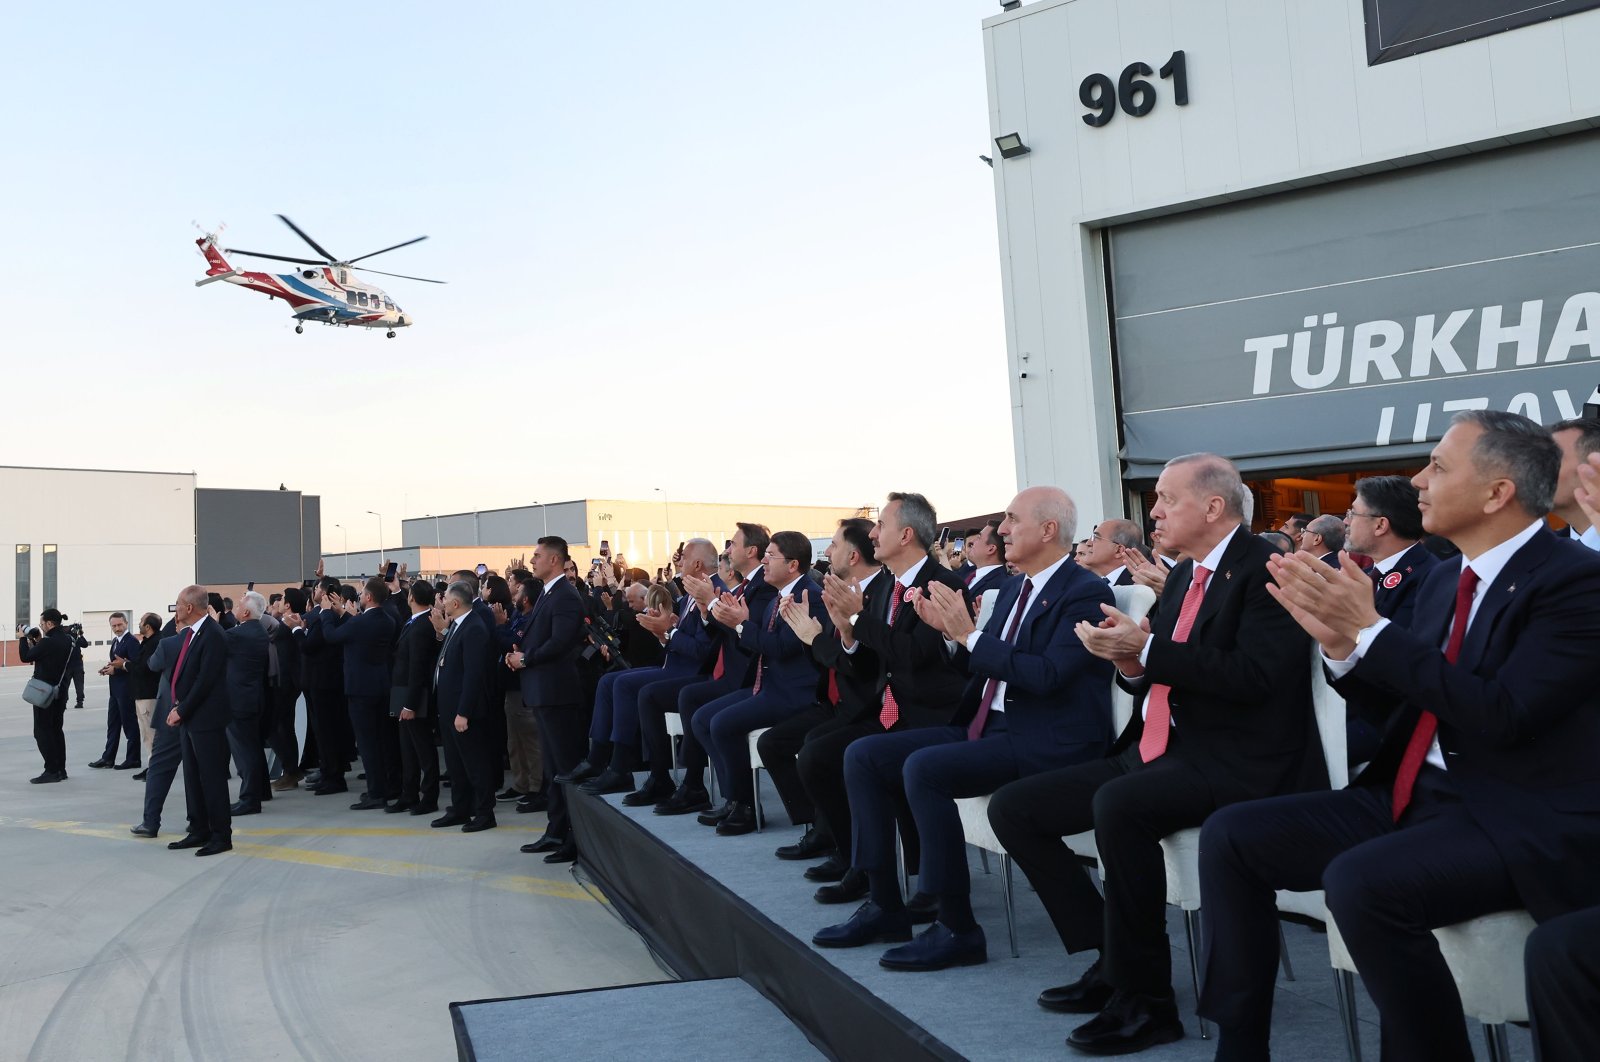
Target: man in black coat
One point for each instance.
(166, 747)
(284, 692)
(1483, 795)
(985, 569)
(201, 712)
(324, 684)
(367, 641)
(247, 697)
(50, 650)
(547, 664)
(1225, 715)
(461, 699)
(416, 656)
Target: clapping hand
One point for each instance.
(797, 614)
(701, 589)
(1587, 494)
(658, 621)
(731, 611)
(842, 600)
(1151, 573)
(1116, 638)
(1333, 605)
(946, 611)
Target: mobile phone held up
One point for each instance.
(605, 548)
(482, 570)
(394, 566)
(944, 537)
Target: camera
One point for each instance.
(75, 629)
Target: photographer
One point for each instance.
(75, 671)
(51, 651)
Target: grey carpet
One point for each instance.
(989, 1011)
(679, 1021)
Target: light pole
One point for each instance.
(380, 535)
(667, 511)
(544, 517)
(346, 531)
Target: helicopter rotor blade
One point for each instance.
(402, 276)
(274, 257)
(386, 250)
(313, 244)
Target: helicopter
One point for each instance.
(322, 292)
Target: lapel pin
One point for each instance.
(1511, 588)
(1228, 574)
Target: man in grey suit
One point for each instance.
(166, 752)
(247, 679)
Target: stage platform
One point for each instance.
(724, 907)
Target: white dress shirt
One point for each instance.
(1390, 561)
(1114, 574)
(998, 704)
(979, 574)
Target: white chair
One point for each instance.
(755, 776)
(1485, 958)
(674, 723)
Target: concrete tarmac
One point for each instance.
(327, 934)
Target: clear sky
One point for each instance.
(736, 251)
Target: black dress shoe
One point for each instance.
(608, 782)
(530, 804)
(851, 887)
(653, 792)
(312, 779)
(369, 803)
(479, 824)
(581, 773)
(870, 924)
(128, 765)
(48, 777)
(923, 908)
(713, 816)
(102, 762)
(684, 802)
(213, 847)
(567, 853)
(142, 830)
(329, 790)
(1089, 994)
(1128, 1023)
(543, 844)
(241, 808)
(425, 809)
(813, 844)
(741, 820)
(937, 948)
(140, 776)
(509, 793)
(188, 840)
(449, 818)
(834, 868)
(398, 806)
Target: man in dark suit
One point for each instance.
(284, 691)
(1578, 439)
(1385, 523)
(732, 667)
(1323, 538)
(1224, 715)
(121, 718)
(1483, 794)
(784, 683)
(1103, 555)
(416, 657)
(547, 664)
(324, 690)
(986, 557)
(367, 641)
(1562, 961)
(50, 649)
(461, 699)
(246, 642)
(201, 712)
(166, 747)
(1035, 700)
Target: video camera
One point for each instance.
(603, 633)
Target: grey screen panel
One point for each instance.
(1345, 324)
(1398, 28)
(244, 535)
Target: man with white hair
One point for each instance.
(247, 692)
(1323, 538)
(1035, 700)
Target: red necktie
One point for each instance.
(833, 676)
(1158, 704)
(891, 707)
(1428, 723)
(967, 581)
(722, 651)
(188, 636)
(772, 621)
(990, 688)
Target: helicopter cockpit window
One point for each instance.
(387, 305)
(363, 297)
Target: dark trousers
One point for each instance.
(281, 737)
(466, 757)
(122, 719)
(205, 782)
(780, 748)
(657, 701)
(1130, 806)
(310, 754)
(329, 719)
(77, 680)
(1562, 961)
(48, 733)
(930, 769)
(821, 769)
(368, 716)
(723, 729)
(419, 763)
(1387, 887)
(561, 733)
(249, 759)
(691, 699)
(616, 708)
(166, 756)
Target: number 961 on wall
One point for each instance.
(1131, 92)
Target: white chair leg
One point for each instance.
(1283, 955)
(1495, 1037)
(1344, 986)
(1011, 904)
(755, 787)
(983, 857)
(676, 743)
(900, 866)
(1191, 930)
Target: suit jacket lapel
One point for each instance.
(1232, 558)
(1501, 593)
(1044, 597)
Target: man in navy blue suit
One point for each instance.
(784, 683)
(986, 557)
(201, 713)
(1036, 700)
(461, 700)
(120, 716)
(1483, 795)
(367, 641)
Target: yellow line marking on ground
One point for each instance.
(352, 831)
(394, 868)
